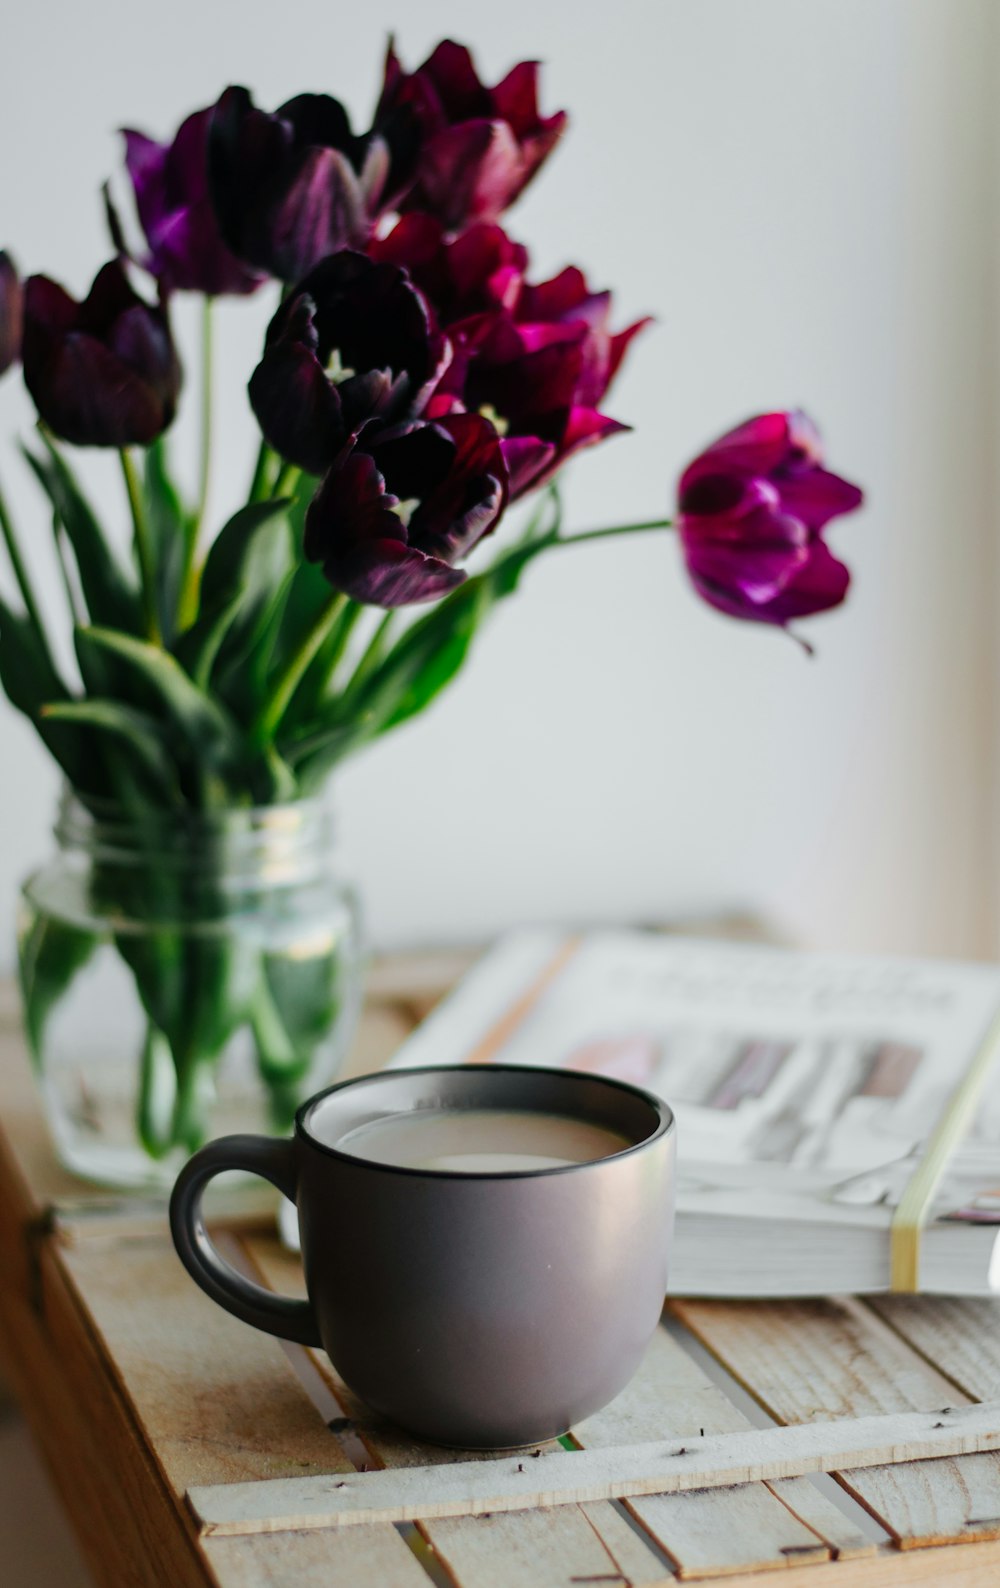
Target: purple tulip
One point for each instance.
(751, 515)
(103, 373)
(11, 312)
(479, 270)
(354, 343)
(292, 187)
(186, 250)
(398, 509)
(479, 146)
(536, 358)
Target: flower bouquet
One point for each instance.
(415, 387)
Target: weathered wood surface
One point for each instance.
(806, 1361)
(139, 1389)
(568, 1477)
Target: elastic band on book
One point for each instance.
(911, 1214)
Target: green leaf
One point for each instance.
(204, 737)
(244, 585)
(139, 734)
(198, 646)
(30, 681)
(169, 527)
(50, 955)
(246, 554)
(112, 600)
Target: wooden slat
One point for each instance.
(811, 1360)
(962, 1334)
(544, 1549)
(671, 1394)
(567, 1477)
(210, 1395)
(375, 1557)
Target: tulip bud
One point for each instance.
(102, 373)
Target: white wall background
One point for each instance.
(802, 192)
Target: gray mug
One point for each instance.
(479, 1310)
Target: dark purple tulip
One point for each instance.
(11, 312)
(103, 373)
(529, 379)
(536, 358)
(292, 187)
(751, 512)
(479, 147)
(481, 269)
(355, 342)
(397, 511)
(186, 250)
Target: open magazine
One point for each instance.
(805, 1088)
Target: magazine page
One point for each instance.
(792, 1075)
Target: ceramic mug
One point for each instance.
(481, 1310)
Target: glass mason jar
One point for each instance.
(184, 976)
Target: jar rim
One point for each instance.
(284, 842)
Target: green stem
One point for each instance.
(187, 605)
(78, 616)
(143, 545)
(613, 529)
(372, 654)
(277, 702)
(258, 485)
(287, 479)
(20, 571)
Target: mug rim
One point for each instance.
(667, 1121)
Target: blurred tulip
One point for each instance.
(292, 187)
(751, 512)
(186, 250)
(102, 373)
(479, 147)
(11, 312)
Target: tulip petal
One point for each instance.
(102, 372)
(298, 411)
(186, 249)
(352, 530)
(453, 517)
(451, 70)
(815, 495)
(88, 393)
(11, 312)
(756, 447)
(528, 460)
(317, 211)
(750, 556)
(822, 583)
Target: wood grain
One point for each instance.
(375, 1557)
(812, 1360)
(565, 1477)
(211, 1395)
(962, 1334)
(671, 1394)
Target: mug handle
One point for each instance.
(274, 1161)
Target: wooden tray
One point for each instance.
(834, 1440)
